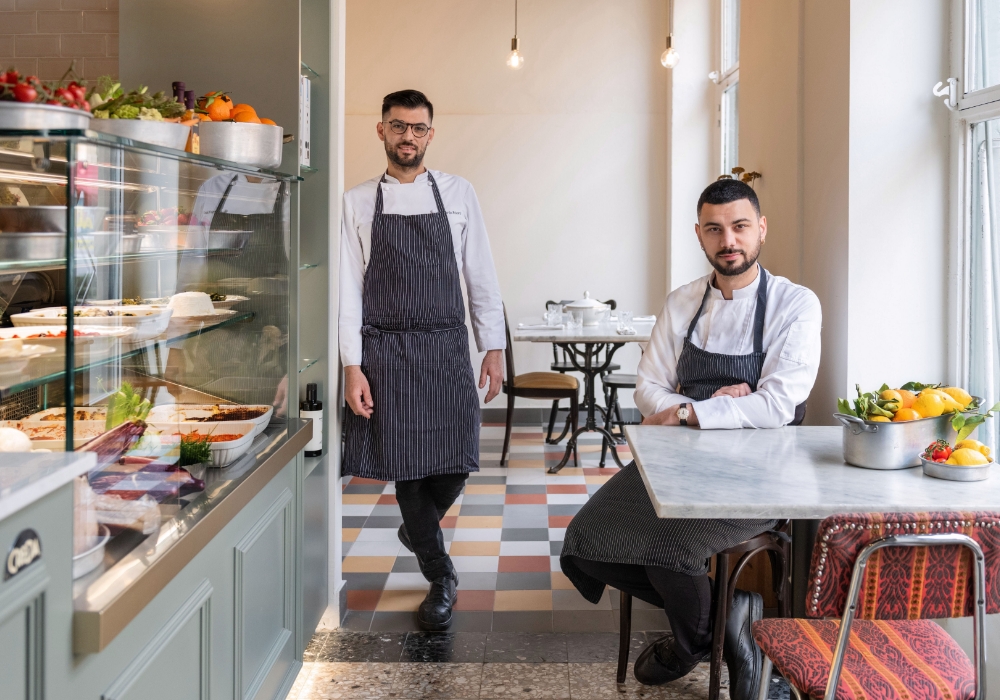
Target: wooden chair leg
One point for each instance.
(624, 634)
(552, 421)
(720, 602)
(509, 427)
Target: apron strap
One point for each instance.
(437, 195)
(759, 311)
(694, 321)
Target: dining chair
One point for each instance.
(537, 385)
(887, 576)
(561, 363)
(613, 383)
(777, 543)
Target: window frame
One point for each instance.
(723, 81)
(983, 96)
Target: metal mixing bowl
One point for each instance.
(167, 134)
(24, 115)
(258, 145)
(32, 246)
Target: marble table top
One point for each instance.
(26, 477)
(784, 473)
(601, 333)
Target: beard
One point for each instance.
(735, 268)
(405, 161)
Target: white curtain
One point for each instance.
(984, 291)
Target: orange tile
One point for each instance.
(524, 498)
(362, 480)
(360, 499)
(601, 471)
(597, 479)
(566, 488)
(559, 520)
(515, 564)
(489, 489)
(560, 582)
(349, 534)
(400, 601)
(368, 565)
(570, 471)
(523, 600)
(387, 499)
(474, 600)
(449, 521)
(475, 549)
(362, 600)
(454, 509)
(491, 521)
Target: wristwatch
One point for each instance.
(683, 413)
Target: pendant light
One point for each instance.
(514, 59)
(670, 57)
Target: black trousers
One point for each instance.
(423, 502)
(687, 600)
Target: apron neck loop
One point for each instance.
(437, 194)
(759, 311)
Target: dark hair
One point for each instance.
(411, 99)
(725, 191)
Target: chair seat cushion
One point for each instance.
(620, 380)
(545, 380)
(568, 367)
(886, 659)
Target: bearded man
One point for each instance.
(738, 348)
(408, 237)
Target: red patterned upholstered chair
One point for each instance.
(886, 576)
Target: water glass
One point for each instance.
(575, 320)
(625, 321)
(553, 314)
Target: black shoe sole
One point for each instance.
(436, 626)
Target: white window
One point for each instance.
(728, 80)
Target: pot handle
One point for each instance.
(856, 425)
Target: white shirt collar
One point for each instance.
(747, 292)
(422, 177)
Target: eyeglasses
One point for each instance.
(398, 127)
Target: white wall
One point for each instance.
(568, 155)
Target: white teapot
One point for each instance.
(591, 310)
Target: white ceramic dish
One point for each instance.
(13, 366)
(192, 413)
(180, 325)
(51, 435)
(954, 472)
(147, 322)
(223, 453)
(591, 311)
(173, 237)
(85, 562)
(229, 302)
(101, 342)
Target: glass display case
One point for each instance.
(149, 290)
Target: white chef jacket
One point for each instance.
(792, 325)
(469, 239)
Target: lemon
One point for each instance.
(960, 395)
(974, 445)
(967, 457)
(891, 395)
(929, 405)
(878, 419)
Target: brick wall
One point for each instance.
(42, 37)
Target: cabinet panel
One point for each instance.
(14, 641)
(22, 603)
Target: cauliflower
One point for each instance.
(126, 112)
(150, 115)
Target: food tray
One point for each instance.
(229, 302)
(57, 415)
(147, 322)
(953, 472)
(157, 133)
(11, 367)
(50, 219)
(85, 562)
(194, 413)
(29, 115)
(32, 246)
(51, 435)
(99, 344)
(223, 453)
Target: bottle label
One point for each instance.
(315, 444)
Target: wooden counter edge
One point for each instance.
(93, 630)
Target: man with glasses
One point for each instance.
(406, 237)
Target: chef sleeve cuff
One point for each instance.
(491, 341)
(717, 413)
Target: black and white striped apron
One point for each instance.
(415, 355)
(618, 524)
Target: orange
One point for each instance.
(908, 398)
(204, 117)
(246, 116)
(242, 107)
(219, 110)
(267, 121)
(905, 414)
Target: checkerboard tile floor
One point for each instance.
(504, 534)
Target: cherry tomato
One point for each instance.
(10, 76)
(79, 92)
(53, 102)
(24, 93)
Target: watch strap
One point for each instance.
(683, 421)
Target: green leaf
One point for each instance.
(844, 406)
(917, 386)
(884, 387)
(971, 424)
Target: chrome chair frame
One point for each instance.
(854, 592)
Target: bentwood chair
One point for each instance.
(613, 383)
(887, 576)
(537, 385)
(561, 363)
(777, 543)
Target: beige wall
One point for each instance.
(568, 155)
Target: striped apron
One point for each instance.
(415, 355)
(618, 524)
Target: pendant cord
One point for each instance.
(515, 17)
(670, 16)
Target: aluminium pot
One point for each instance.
(32, 116)
(157, 133)
(891, 445)
(258, 145)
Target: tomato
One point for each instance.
(25, 93)
(64, 93)
(10, 76)
(941, 453)
(79, 92)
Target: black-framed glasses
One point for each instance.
(399, 127)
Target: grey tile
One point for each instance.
(526, 521)
(524, 581)
(481, 509)
(362, 646)
(525, 680)
(526, 509)
(405, 565)
(476, 581)
(601, 647)
(471, 621)
(649, 620)
(441, 647)
(487, 480)
(583, 621)
(354, 521)
(555, 548)
(525, 534)
(483, 499)
(365, 582)
(565, 508)
(506, 647)
(383, 521)
(437, 680)
(394, 622)
(357, 620)
(384, 511)
(534, 621)
(593, 488)
(364, 488)
(526, 488)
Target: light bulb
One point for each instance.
(514, 59)
(670, 57)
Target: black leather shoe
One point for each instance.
(435, 613)
(657, 664)
(404, 538)
(743, 656)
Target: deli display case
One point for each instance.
(148, 321)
